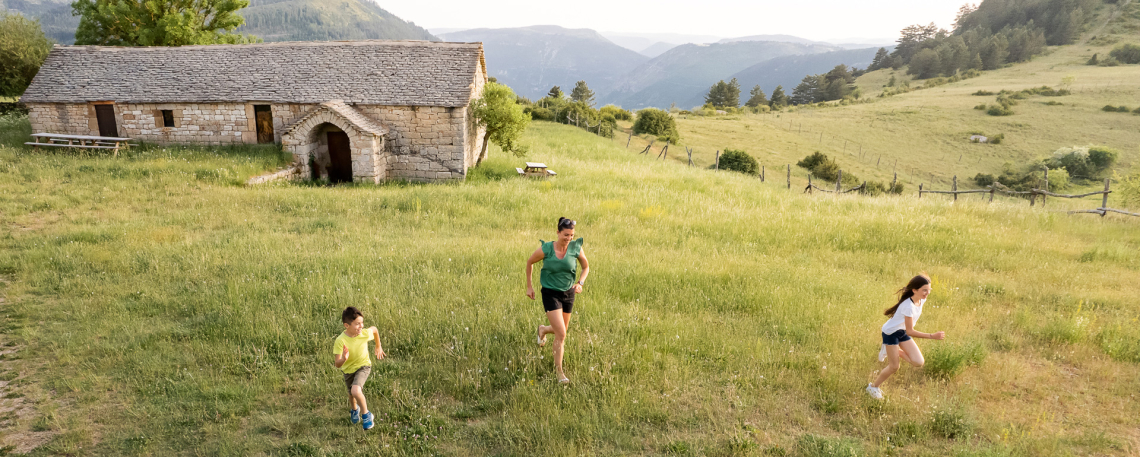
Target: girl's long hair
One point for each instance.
(906, 292)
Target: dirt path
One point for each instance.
(16, 412)
(1111, 17)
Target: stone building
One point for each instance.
(347, 110)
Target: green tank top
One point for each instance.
(559, 274)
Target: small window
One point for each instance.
(167, 118)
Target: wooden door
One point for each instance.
(263, 117)
(105, 115)
(340, 158)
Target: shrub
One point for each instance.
(945, 361)
(984, 179)
(897, 189)
(1128, 53)
(1102, 158)
(818, 446)
(982, 92)
(874, 188)
(1053, 103)
(1136, 111)
(656, 122)
(1109, 109)
(616, 112)
(951, 423)
(981, 107)
(1093, 60)
(539, 113)
(999, 110)
(739, 161)
(1109, 61)
(997, 139)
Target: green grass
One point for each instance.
(164, 310)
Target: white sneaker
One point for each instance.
(875, 392)
(540, 337)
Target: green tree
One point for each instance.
(504, 119)
(582, 93)
(724, 95)
(882, 58)
(159, 22)
(756, 98)
(925, 64)
(555, 93)
(807, 92)
(656, 122)
(23, 48)
(779, 98)
(994, 52)
(1128, 53)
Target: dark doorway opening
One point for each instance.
(340, 158)
(105, 116)
(263, 119)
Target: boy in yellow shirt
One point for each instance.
(351, 356)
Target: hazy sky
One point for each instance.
(813, 19)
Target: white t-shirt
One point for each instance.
(898, 321)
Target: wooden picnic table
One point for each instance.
(60, 140)
(535, 169)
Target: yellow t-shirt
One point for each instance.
(357, 350)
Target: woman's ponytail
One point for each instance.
(907, 292)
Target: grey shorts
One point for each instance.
(357, 378)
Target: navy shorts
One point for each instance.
(558, 299)
(895, 338)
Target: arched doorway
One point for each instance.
(340, 157)
(337, 143)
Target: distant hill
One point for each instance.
(779, 38)
(683, 74)
(533, 59)
(790, 70)
(272, 20)
(641, 41)
(657, 49)
(324, 20)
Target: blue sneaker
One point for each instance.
(354, 416)
(366, 420)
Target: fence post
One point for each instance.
(762, 172)
(629, 139)
(955, 189)
(789, 176)
(893, 181)
(809, 189)
(1046, 186)
(992, 193)
(663, 150)
(920, 191)
(690, 152)
(1104, 200)
(838, 181)
(717, 160)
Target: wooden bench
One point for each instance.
(59, 140)
(535, 170)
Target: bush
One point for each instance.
(951, 423)
(984, 179)
(539, 113)
(981, 107)
(996, 139)
(739, 161)
(874, 188)
(656, 122)
(1110, 61)
(818, 446)
(945, 361)
(1109, 109)
(999, 110)
(616, 112)
(1128, 53)
(982, 92)
(1102, 158)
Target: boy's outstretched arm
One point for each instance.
(338, 360)
(376, 337)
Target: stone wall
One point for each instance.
(60, 118)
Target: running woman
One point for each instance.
(560, 259)
(899, 331)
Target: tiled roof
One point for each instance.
(415, 73)
(350, 114)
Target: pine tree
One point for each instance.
(724, 95)
(779, 98)
(880, 61)
(807, 91)
(757, 98)
(582, 93)
(555, 93)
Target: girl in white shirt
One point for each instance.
(899, 330)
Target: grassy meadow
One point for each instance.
(161, 308)
(923, 135)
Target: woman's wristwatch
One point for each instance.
(580, 283)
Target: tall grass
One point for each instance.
(163, 309)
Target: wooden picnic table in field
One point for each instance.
(535, 169)
(60, 140)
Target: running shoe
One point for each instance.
(354, 416)
(540, 337)
(875, 392)
(366, 420)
